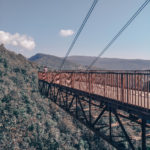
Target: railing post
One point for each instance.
(117, 83)
(104, 83)
(127, 86)
(72, 80)
(122, 88)
(89, 77)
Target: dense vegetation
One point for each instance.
(29, 121)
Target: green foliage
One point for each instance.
(8, 107)
(6, 99)
(16, 113)
(1, 81)
(41, 108)
(31, 128)
(47, 125)
(29, 110)
(1, 60)
(54, 145)
(23, 71)
(62, 127)
(27, 120)
(1, 73)
(20, 70)
(34, 78)
(16, 70)
(25, 99)
(5, 63)
(15, 80)
(38, 116)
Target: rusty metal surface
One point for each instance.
(132, 87)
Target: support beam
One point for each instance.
(110, 121)
(83, 111)
(71, 103)
(80, 101)
(102, 112)
(124, 131)
(143, 134)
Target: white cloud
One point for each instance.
(66, 33)
(16, 39)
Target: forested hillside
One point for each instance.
(29, 121)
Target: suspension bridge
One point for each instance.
(97, 98)
(114, 104)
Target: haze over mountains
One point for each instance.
(80, 62)
(54, 62)
(112, 63)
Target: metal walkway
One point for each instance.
(114, 105)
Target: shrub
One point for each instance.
(1, 81)
(23, 71)
(16, 113)
(29, 110)
(6, 99)
(1, 73)
(47, 125)
(14, 79)
(8, 107)
(16, 70)
(1, 60)
(25, 99)
(5, 63)
(31, 128)
(63, 128)
(38, 116)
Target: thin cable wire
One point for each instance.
(79, 31)
(119, 33)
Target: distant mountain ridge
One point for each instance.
(81, 62)
(112, 63)
(53, 62)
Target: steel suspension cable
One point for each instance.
(79, 32)
(119, 33)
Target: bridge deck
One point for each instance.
(131, 87)
(134, 97)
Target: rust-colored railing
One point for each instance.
(132, 87)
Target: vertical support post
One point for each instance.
(110, 121)
(72, 80)
(143, 134)
(148, 90)
(117, 82)
(76, 106)
(122, 88)
(48, 90)
(104, 82)
(90, 119)
(54, 94)
(66, 99)
(127, 86)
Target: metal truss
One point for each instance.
(105, 117)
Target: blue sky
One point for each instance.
(36, 24)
